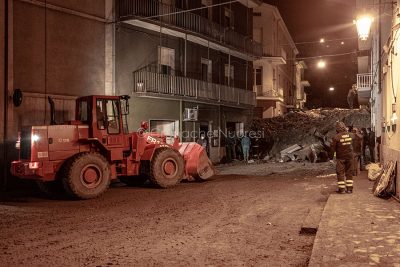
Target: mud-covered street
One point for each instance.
(231, 220)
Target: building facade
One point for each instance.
(275, 73)
(379, 69)
(301, 84)
(50, 48)
(187, 57)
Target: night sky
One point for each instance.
(311, 20)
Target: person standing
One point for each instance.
(371, 144)
(246, 142)
(357, 150)
(342, 145)
(378, 148)
(351, 95)
(364, 144)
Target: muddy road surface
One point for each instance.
(250, 219)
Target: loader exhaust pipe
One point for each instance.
(52, 111)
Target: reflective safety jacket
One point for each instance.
(342, 145)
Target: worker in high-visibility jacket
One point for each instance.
(342, 145)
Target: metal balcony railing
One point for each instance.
(169, 15)
(168, 85)
(269, 93)
(364, 81)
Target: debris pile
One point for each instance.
(304, 135)
(384, 185)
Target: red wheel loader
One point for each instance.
(83, 156)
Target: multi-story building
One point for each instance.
(377, 81)
(301, 83)
(275, 72)
(186, 57)
(50, 48)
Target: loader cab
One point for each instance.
(106, 117)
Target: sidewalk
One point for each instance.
(358, 229)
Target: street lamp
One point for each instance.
(363, 24)
(322, 40)
(331, 89)
(321, 64)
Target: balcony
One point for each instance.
(364, 85)
(269, 94)
(146, 83)
(275, 54)
(167, 15)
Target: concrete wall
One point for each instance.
(389, 97)
(142, 108)
(57, 51)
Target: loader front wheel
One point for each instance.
(87, 176)
(166, 167)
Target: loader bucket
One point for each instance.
(198, 165)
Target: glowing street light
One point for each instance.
(363, 24)
(331, 89)
(321, 64)
(322, 40)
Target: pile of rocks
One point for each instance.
(306, 132)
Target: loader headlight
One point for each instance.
(35, 137)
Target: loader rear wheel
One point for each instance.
(52, 189)
(87, 176)
(166, 167)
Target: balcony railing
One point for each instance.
(272, 93)
(169, 15)
(167, 85)
(364, 81)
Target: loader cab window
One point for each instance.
(108, 115)
(83, 111)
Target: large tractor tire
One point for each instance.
(87, 176)
(166, 167)
(52, 189)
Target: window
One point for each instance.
(166, 60)
(229, 75)
(228, 17)
(107, 114)
(239, 127)
(83, 111)
(259, 76)
(206, 70)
